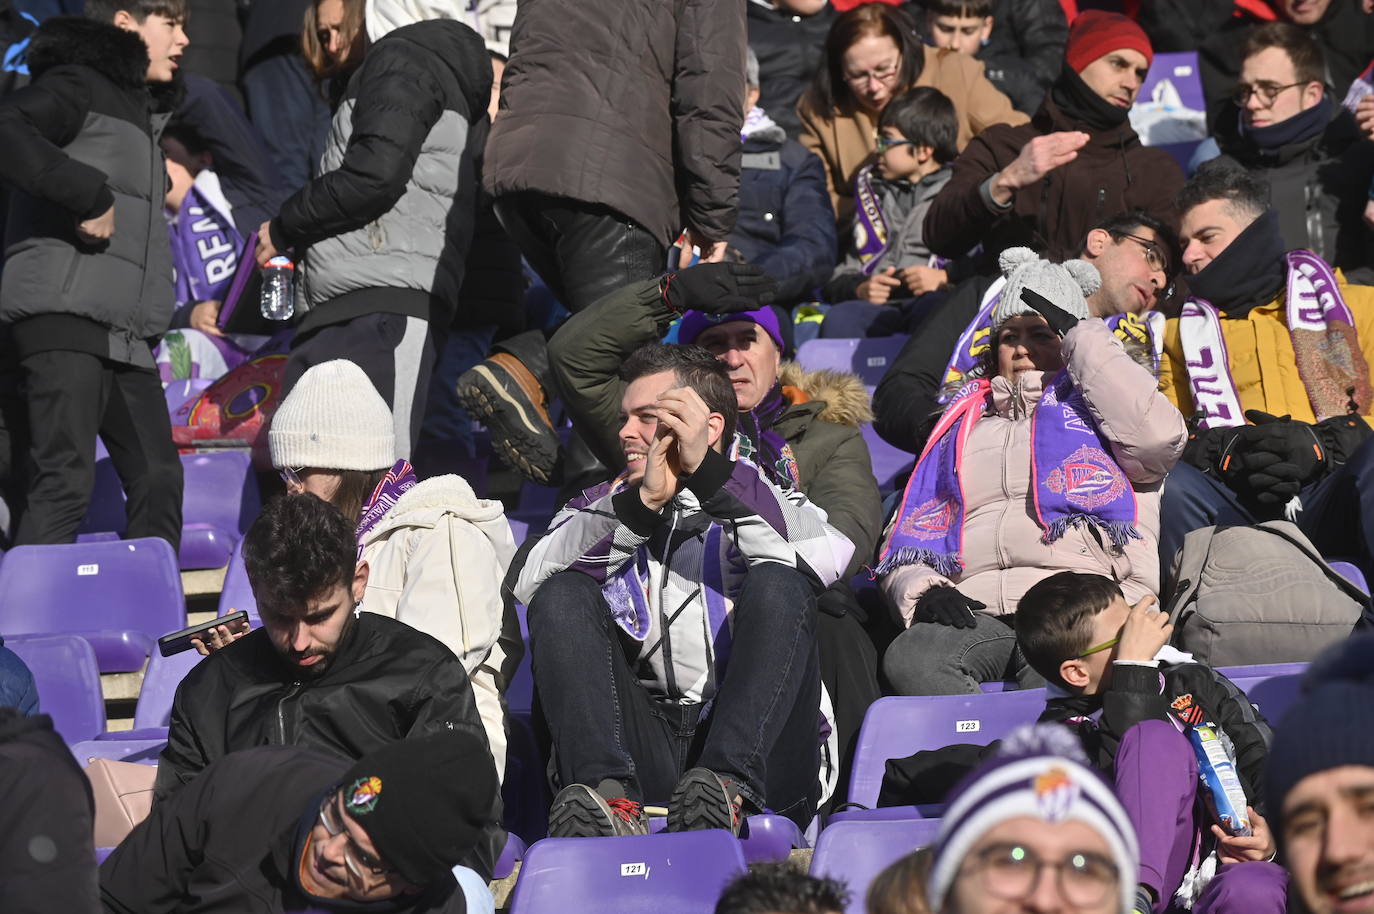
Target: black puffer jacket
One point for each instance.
(389, 221)
(1025, 50)
(227, 844)
(633, 104)
(790, 49)
(80, 138)
(1317, 186)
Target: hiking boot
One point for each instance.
(704, 799)
(580, 812)
(507, 398)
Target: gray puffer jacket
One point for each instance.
(82, 137)
(394, 205)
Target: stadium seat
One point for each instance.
(868, 358)
(68, 682)
(237, 593)
(890, 465)
(120, 596)
(1349, 572)
(160, 681)
(511, 853)
(652, 874)
(141, 751)
(854, 852)
(1270, 687)
(898, 726)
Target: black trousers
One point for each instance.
(72, 397)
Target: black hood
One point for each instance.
(461, 50)
(118, 55)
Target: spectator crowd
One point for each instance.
(1116, 258)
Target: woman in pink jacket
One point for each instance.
(1052, 461)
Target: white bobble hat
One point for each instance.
(333, 419)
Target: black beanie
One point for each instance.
(1329, 725)
(424, 801)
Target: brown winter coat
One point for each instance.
(846, 141)
(1113, 173)
(636, 105)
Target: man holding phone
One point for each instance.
(319, 673)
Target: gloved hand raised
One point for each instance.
(1273, 458)
(718, 288)
(945, 605)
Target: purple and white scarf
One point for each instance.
(205, 243)
(1326, 347)
(870, 227)
(1075, 479)
(398, 480)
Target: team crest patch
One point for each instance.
(1055, 794)
(1088, 479)
(1186, 710)
(931, 520)
(363, 795)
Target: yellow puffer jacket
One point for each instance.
(1261, 356)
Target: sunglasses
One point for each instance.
(1098, 648)
(884, 144)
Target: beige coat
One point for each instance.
(1004, 553)
(845, 142)
(436, 562)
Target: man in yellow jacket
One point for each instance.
(1270, 357)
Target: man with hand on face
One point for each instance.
(319, 673)
(1270, 360)
(672, 620)
(1078, 162)
(278, 828)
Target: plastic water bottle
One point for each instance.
(279, 289)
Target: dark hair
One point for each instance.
(104, 10)
(1122, 224)
(901, 886)
(187, 134)
(317, 55)
(776, 888)
(1218, 180)
(355, 488)
(828, 88)
(1309, 66)
(694, 367)
(298, 549)
(1054, 619)
(964, 9)
(926, 117)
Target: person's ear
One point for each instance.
(125, 20)
(715, 427)
(924, 154)
(1075, 673)
(360, 574)
(986, 33)
(1312, 94)
(1097, 242)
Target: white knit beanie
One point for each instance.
(333, 419)
(1065, 285)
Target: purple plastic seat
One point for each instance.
(236, 592)
(888, 814)
(765, 838)
(160, 681)
(141, 751)
(1271, 688)
(512, 853)
(890, 465)
(68, 681)
(854, 852)
(868, 358)
(1348, 571)
(119, 596)
(896, 727)
(651, 874)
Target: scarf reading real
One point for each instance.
(398, 480)
(1321, 328)
(1139, 329)
(1075, 481)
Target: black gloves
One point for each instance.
(1206, 445)
(1342, 436)
(1272, 459)
(718, 288)
(945, 605)
(1060, 321)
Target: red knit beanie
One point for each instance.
(1096, 32)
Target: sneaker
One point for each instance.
(503, 394)
(704, 799)
(580, 812)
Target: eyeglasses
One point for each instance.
(1154, 257)
(884, 74)
(1098, 648)
(1267, 92)
(884, 144)
(366, 864)
(292, 476)
(1011, 871)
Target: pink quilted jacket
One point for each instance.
(1004, 553)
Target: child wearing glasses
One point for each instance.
(1113, 679)
(887, 261)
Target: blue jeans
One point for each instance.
(1337, 511)
(445, 419)
(934, 659)
(760, 729)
